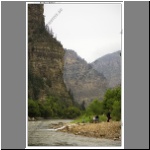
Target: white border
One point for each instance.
(26, 75)
(122, 79)
(122, 85)
(0, 78)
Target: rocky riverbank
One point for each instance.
(107, 130)
(48, 133)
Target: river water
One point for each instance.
(39, 134)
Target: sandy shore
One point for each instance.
(107, 130)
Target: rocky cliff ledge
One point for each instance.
(45, 59)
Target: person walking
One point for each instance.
(108, 116)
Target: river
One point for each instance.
(39, 134)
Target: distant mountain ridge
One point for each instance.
(110, 66)
(84, 82)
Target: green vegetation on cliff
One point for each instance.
(52, 107)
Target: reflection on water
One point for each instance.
(39, 134)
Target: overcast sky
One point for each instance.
(92, 30)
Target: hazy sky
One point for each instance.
(92, 30)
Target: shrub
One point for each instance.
(95, 108)
(116, 112)
(48, 112)
(33, 108)
(72, 112)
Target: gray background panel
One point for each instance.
(13, 75)
(136, 75)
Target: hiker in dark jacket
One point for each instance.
(97, 118)
(108, 116)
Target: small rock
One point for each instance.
(33, 119)
(29, 119)
(115, 139)
(60, 123)
(67, 128)
(102, 134)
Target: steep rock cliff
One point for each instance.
(45, 59)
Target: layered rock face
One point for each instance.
(45, 59)
(82, 80)
(110, 66)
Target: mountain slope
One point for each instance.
(110, 66)
(82, 80)
(45, 59)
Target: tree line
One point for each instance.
(111, 103)
(54, 107)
